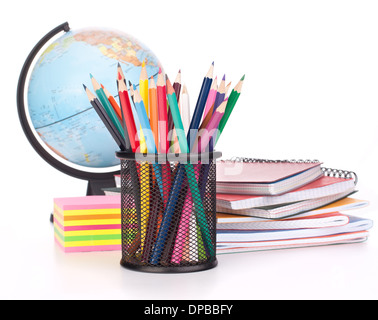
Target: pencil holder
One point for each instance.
(168, 217)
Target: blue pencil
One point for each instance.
(198, 111)
(145, 123)
(148, 135)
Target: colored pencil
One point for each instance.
(233, 98)
(131, 91)
(163, 133)
(228, 87)
(144, 166)
(154, 118)
(183, 230)
(127, 113)
(211, 128)
(143, 118)
(211, 97)
(144, 199)
(171, 129)
(152, 225)
(220, 94)
(113, 102)
(200, 105)
(176, 116)
(177, 86)
(151, 145)
(143, 87)
(142, 140)
(106, 104)
(188, 218)
(185, 109)
(106, 119)
(162, 113)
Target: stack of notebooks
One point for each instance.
(91, 223)
(265, 204)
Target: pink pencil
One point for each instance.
(162, 113)
(163, 132)
(185, 221)
(178, 249)
(211, 97)
(211, 127)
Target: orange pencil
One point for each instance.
(114, 103)
(153, 104)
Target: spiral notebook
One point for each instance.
(265, 177)
(331, 182)
(328, 215)
(284, 210)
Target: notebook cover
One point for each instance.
(321, 182)
(259, 172)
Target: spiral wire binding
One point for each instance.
(256, 160)
(338, 173)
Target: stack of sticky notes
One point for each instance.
(90, 223)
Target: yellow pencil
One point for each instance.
(144, 199)
(143, 87)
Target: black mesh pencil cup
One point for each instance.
(168, 216)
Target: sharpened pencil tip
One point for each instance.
(159, 70)
(143, 64)
(85, 88)
(224, 77)
(91, 75)
(119, 66)
(242, 77)
(213, 63)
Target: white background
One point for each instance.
(310, 92)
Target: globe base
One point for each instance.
(95, 187)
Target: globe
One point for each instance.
(59, 110)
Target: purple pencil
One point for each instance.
(221, 93)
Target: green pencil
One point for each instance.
(233, 98)
(107, 106)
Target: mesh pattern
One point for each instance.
(168, 216)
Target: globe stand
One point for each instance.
(96, 181)
(95, 186)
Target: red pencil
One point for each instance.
(126, 109)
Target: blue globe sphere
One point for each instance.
(59, 109)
